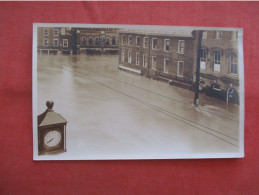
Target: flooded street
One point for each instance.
(116, 114)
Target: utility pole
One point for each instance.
(198, 34)
(74, 39)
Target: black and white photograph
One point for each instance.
(103, 92)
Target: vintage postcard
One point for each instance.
(137, 92)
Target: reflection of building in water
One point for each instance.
(160, 54)
(97, 40)
(54, 40)
(219, 63)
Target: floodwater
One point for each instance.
(116, 114)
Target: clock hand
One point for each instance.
(50, 140)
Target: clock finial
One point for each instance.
(50, 104)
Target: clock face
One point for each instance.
(52, 138)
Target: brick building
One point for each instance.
(219, 61)
(54, 40)
(97, 40)
(159, 54)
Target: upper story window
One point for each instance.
(154, 43)
(55, 42)
(46, 32)
(96, 40)
(56, 32)
(137, 41)
(65, 42)
(90, 41)
(107, 41)
(181, 46)
(167, 45)
(232, 60)
(145, 41)
(204, 34)
(113, 41)
(83, 40)
(123, 40)
(217, 61)
(218, 35)
(46, 42)
(130, 40)
(234, 35)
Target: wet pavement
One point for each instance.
(116, 114)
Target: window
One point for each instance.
(129, 57)
(137, 41)
(218, 35)
(234, 35)
(113, 41)
(122, 56)
(123, 40)
(166, 64)
(145, 40)
(130, 40)
(204, 34)
(181, 46)
(55, 42)
(46, 32)
(154, 62)
(65, 43)
(145, 60)
(232, 63)
(107, 41)
(83, 40)
(137, 58)
(46, 42)
(154, 43)
(167, 45)
(180, 67)
(90, 41)
(216, 61)
(56, 31)
(203, 59)
(96, 40)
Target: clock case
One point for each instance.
(50, 121)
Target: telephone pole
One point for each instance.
(198, 34)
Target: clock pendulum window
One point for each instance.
(51, 131)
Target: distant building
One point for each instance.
(97, 40)
(219, 61)
(54, 40)
(159, 54)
